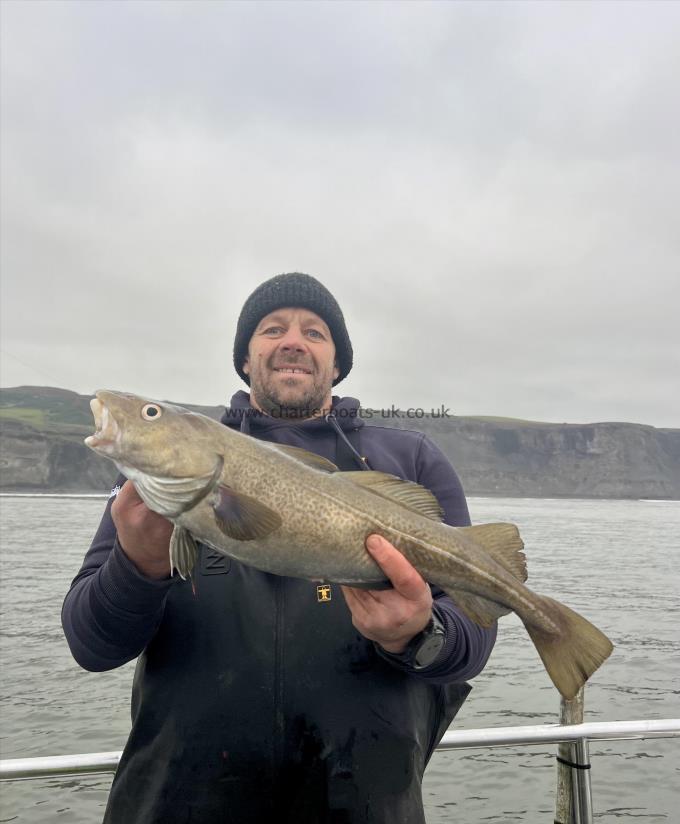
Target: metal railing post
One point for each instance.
(570, 806)
(583, 798)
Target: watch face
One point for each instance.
(429, 650)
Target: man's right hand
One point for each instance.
(143, 535)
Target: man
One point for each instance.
(256, 695)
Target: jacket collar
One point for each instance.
(241, 415)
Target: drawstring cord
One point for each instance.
(331, 419)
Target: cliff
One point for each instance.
(544, 460)
(42, 430)
(42, 450)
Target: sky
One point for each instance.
(490, 190)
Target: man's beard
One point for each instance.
(290, 403)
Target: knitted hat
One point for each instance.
(293, 289)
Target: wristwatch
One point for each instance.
(423, 648)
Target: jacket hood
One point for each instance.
(241, 415)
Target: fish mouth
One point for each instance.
(107, 431)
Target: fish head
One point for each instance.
(151, 437)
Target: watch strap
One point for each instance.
(423, 648)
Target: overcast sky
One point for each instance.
(491, 190)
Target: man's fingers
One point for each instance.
(357, 602)
(404, 577)
(129, 494)
(365, 597)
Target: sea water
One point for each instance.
(614, 561)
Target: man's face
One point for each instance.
(291, 364)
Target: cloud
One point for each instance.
(489, 189)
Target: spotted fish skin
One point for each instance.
(289, 512)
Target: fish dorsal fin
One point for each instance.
(242, 517)
(503, 543)
(480, 610)
(407, 493)
(306, 457)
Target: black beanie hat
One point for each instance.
(293, 289)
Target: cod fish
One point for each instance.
(289, 512)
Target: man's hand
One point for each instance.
(391, 617)
(143, 535)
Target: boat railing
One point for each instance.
(577, 735)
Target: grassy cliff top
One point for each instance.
(50, 408)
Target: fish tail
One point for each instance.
(573, 653)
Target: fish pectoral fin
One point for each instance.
(480, 610)
(242, 517)
(407, 493)
(307, 458)
(503, 543)
(183, 551)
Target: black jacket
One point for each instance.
(252, 698)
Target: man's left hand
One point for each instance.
(391, 617)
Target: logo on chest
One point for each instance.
(213, 562)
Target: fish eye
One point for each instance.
(151, 411)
